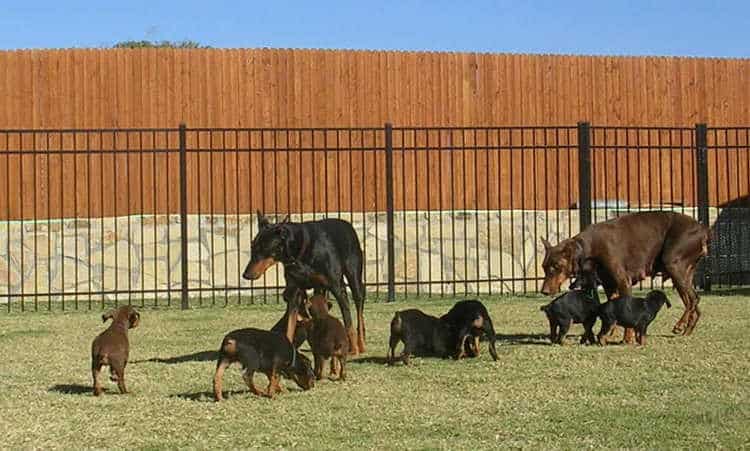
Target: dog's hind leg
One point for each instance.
(552, 329)
(606, 330)
(564, 328)
(392, 343)
(342, 367)
(588, 334)
(339, 292)
(695, 312)
(247, 376)
(353, 273)
(640, 334)
(221, 365)
(318, 368)
(96, 372)
(119, 370)
(273, 384)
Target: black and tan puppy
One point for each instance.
(327, 337)
(629, 311)
(423, 335)
(469, 321)
(112, 348)
(580, 305)
(266, 352)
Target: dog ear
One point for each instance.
(546, 244)
(304, 309)
(108, 315)
(284, 221)
(284, 234)
(575, 254)
(134, 319)
(263, 222)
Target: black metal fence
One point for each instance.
(164, 217)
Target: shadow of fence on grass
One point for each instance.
(71, 389)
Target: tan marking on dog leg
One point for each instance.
(247, 376)
(360, 332)
(461, 348)
(353, 346)
(218, 378)
(273, 384)
(628, 336)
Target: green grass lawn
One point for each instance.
(678, 392)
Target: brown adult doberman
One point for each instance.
(630, 248)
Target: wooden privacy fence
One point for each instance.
(125, 88)
(106, 173)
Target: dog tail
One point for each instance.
(228, 347)
(396, 324)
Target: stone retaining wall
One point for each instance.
(144, 253)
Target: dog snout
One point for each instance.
(547, 290)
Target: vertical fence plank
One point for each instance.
(584, 174)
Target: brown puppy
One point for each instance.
(111, 347)
(327, 337)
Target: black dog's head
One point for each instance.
(267, 248)
(301, 372)
(586, 278)
(658, 298)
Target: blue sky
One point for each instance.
(683, 28)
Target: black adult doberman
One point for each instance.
(317, 255)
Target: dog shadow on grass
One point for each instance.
(71, 389)
(207, 396)
(522, 339)
(377, 360)
(202, 356)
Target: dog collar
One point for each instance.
(302, 248)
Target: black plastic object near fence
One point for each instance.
(165, 217)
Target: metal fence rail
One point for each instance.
(164, 217)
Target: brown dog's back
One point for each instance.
(327, 336)
(111, 347)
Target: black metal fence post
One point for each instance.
(183, 218)
(701, 168)
(389, 211)
(584, 174)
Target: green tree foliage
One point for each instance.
(186, 44)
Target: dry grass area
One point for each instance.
(678, 392)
